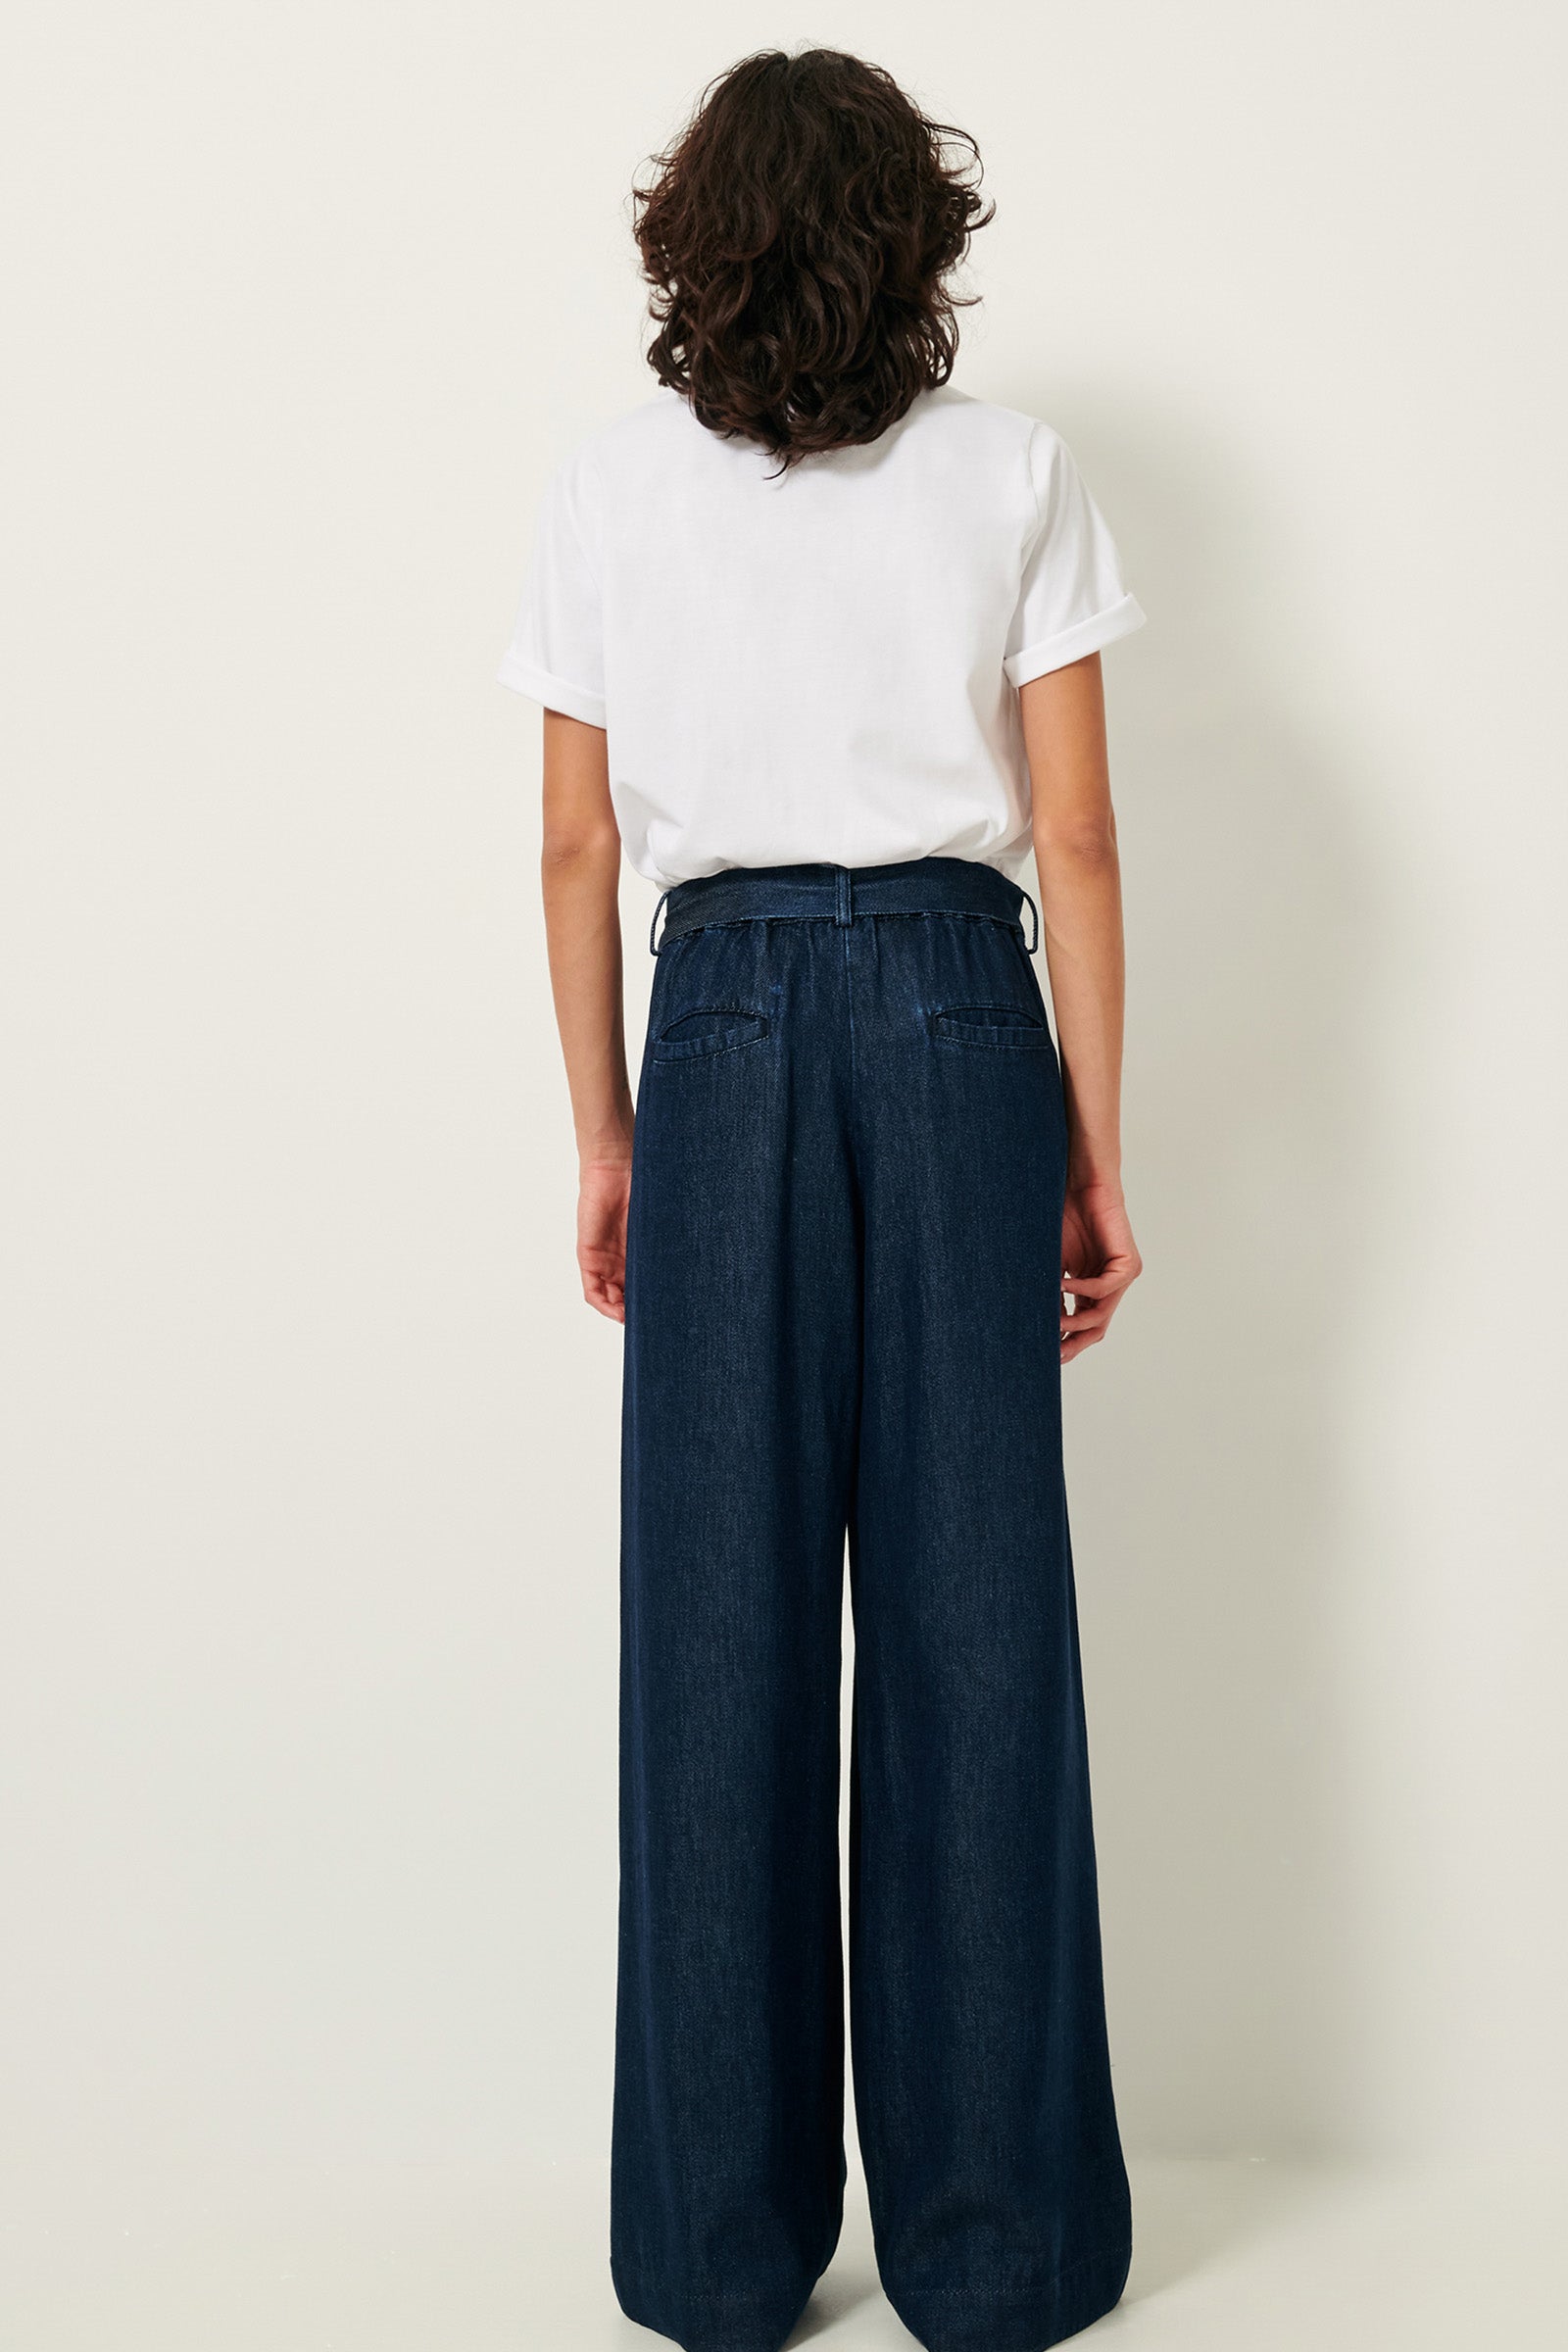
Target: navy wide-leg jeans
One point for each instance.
(843, 1287)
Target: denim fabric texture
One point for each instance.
(842, 1292)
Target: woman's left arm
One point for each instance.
(580, 875)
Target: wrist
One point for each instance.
(605, 1148)
(1093, 1174)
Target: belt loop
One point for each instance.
(654, 925)
(845, 909)
(1035, 911)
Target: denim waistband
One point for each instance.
(837, 893)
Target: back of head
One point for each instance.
(799, 236)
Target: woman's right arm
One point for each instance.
(1063, 717)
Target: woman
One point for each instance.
(817, 640)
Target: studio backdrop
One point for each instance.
(310, 1495)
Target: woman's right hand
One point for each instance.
(1099, 1260)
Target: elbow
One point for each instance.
(575, 848)
(1086, 846)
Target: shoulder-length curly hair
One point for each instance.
(799, 236)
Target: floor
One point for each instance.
(1230, 2257)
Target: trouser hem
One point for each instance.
(743, 2320)
(975, 2319)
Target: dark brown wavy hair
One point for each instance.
(799, 236)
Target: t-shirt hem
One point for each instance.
(1073, 645)
(555, 693)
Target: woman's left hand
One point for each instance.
(604, 1193)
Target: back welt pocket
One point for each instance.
(711, 1029)
(1006, 1028)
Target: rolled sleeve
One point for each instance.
(555, 693)
(1072, 644)
(1071, 598)
(556, 652)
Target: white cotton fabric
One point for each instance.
(818, 665)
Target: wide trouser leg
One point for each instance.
(741, 1392)
(998, 2195)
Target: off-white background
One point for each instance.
(310, 1488)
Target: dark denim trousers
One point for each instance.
(843, 1290)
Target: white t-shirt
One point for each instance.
(818, 665)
